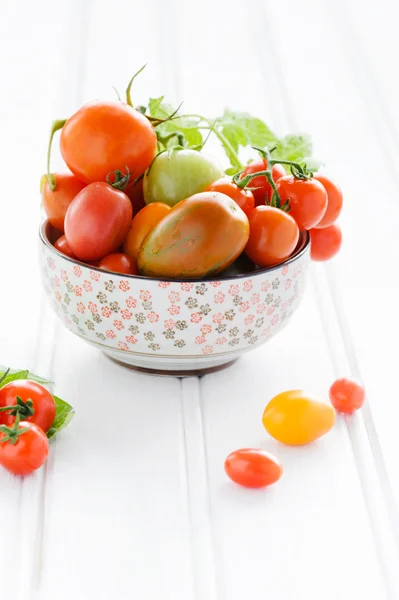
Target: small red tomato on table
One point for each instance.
(253, 467)
(347, 395)
(23, 448)
(32, 401)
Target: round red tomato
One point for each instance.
(41, 403)
(97, 221)
(307, 197)
(244, 198)
(105, 136)
(62, 246)
(119, 263)
(55, 203)
(253, 468)
(273, 236)
(334, 196)
(347, 395)
(325, 243)
(260, 187)
(142, 224)
(24, 449)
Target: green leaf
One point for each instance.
(294, 147)
(63, 417)
(242, 129)
(15, 374)
(188, 126)
(231, 171)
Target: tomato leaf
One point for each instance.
(187, 126)
(294, 147)
(63, 417)
(242, 129)
(15, 374)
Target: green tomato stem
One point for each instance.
(129, 87)
(55, 126)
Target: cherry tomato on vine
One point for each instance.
(273, 236)
(262, 189)
(294, 418)
(253, 468)
(119, 263)
(142, 224)
(308, 199)
(325, 243)
(22, 452)
(347, 395)
(55, 203)
(105, 136)
(334, 196)
(244, 198)
(97, 221)
(42, 403)
(62, 246)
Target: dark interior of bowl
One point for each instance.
(240, 268)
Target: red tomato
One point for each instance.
(97, 221)
(62, 246)
(308, 199)
(142, 224)
(119, 263)
(273, 236)
(347, 395)
(244, 198)
(135, 192)
(28, 453)
(55, 203)
(263, 189)
(325, 243)
(105, 136)
(42, 402)
(334, 196)
(253, 468)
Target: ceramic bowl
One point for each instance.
(177, 327)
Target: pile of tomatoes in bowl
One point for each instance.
(141, 197)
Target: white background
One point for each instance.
(133, 502)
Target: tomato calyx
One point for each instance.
(22, 408)
(119, 180)
(12, 434)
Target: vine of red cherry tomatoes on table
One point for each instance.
(139, 179)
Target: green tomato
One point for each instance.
(177, 175)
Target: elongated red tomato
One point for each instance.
(55, 203)
(62, 246)
(308, 200)
(119, 263)
(260, 186)
(244, 198)
(43, 404)
(334, 196)
(325, 243)
(253, 468)
(28, 453)
(273, 236)
(105, 136)
(97, 221)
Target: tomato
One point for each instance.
(262, 189)
(273, 236)
(253, 468)
(62, 246)
(295, 419)
(55, 203)
(200, 236)
(135, 192)
(244, 198)
(105, 136)
(176, 175)
(119, 263)
(308, 199)
(334, 196)
(325, 243)
(28, 453)
(142, 224)
(347, 395)
(97, 221)
(42, 401)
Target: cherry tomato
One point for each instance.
(308, 199)
(253, 468)
(325, 243)
(334, 196)
(43, 403)
(119, 263)
(97, 221)
(347, 395)
(244, 198)
(273, 236)
(262, 189)
(62, 246)
(55, 203)
(28, 453)
(102, 137)
(142, 224)
(174, 176)
(294, 418)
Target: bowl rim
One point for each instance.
(303, 248)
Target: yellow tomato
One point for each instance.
(294, 418)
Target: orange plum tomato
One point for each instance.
(253, 468)
(307, 197)
(142, 224)
(56, 202)
(119, 263)
(325, 243)
(244, 198)
(347, 395)
(334, 196)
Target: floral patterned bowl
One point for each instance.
(173, 327)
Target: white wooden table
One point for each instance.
(134, 502)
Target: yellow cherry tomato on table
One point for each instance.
(294, 418)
